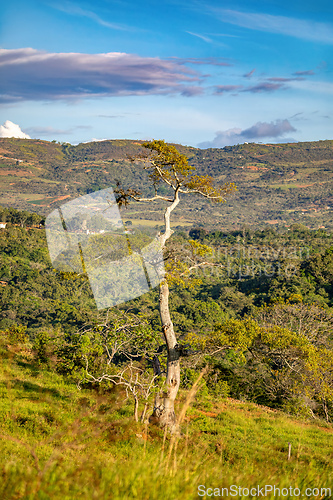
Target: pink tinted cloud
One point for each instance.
(29, 74)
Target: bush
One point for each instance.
(16, 334)
(43, 347)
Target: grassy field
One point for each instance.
(59, 442)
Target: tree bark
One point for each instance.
(164, 412)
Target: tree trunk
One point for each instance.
(164, 412)
(143, 415)
(136, 408)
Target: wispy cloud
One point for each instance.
(111, 116)
(250, 73)
(316, 87)
(283, 79)
(221, 89)
(203, 61)
(226, 35)
(76, 10)
(192, 91)
(270, 85)
(44, 131)
(260, 130)
(122, 115)
(265, 87)
(202, 37)
(51, 131)
(298, 116)
(29, 74)
(298, 28)
(304, 73)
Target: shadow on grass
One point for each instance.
(33, 391)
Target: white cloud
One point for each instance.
(10, 129)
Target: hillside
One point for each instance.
(277, 184)
(59, 442)
(280, 280)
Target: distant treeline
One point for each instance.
(20, 217)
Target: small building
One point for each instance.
(3, 225)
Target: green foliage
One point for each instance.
(21, 218)
(278, 365)
(233, 334)
(319, 269)
(171, 167)
(16, 334)
(167, 163)
(182, 260)
(32, 292)
(43, 347)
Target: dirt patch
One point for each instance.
(21, 173)
(60, 198)
(274, 221)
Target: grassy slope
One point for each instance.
(62, 443)
(278, 184)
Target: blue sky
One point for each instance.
(200, 73)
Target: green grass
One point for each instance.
(39, 201)
(58, 442)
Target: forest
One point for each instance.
(264, 279)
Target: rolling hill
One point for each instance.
(278, 184)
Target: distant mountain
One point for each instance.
(278, 184)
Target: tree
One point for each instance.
(167, 167)
(116, 351)
(310, 320)
(271, 364)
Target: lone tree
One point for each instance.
(169, 167)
